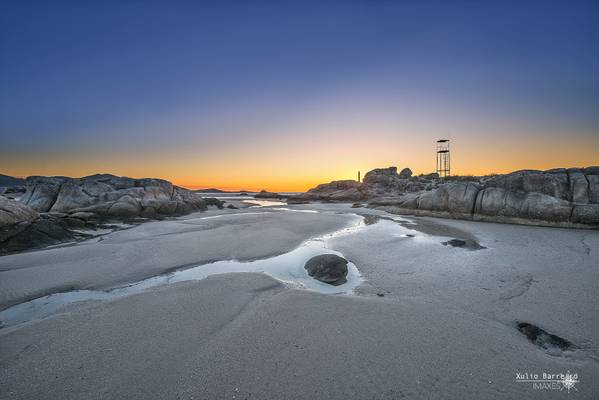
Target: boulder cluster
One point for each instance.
(560, 197)
(51, 208)
(109, 196)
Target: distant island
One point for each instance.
(10, 181)
(214, 190)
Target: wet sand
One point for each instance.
(157, 247)
(427, 321)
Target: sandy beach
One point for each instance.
(425, 320)
(299, 200)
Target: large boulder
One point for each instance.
(13, 212)
(593, 188)
(383, 177)
(586, 214)
(405, 173)
(110, 196)
(378, 174)
(387, 182)
(41, 192)
(14, 217)
(47, 230)
(579, 186)
(452, 197)
(499, 202)
(553, 183)
(21, 227)
(327, 268)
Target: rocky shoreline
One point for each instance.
(54, 210)
(557, 197)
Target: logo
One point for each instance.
(549, 381)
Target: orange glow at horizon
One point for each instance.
(302, 163)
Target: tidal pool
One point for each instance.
(288, 268)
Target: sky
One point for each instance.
(286, 95)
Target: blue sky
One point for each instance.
(259, 78)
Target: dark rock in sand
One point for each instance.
(293, 200)
(328, 268)
(212, 201)
(357, 205)
(371, 219)
(232, 207)
(542, 338)
(455, 243)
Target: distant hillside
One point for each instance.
(9, 181)
(214, 190)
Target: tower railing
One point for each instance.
(443, 158)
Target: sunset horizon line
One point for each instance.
(293, 185)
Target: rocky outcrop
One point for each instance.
(327, 268)
(55, 209)
(14, 217)
(110, 196)
(7, 181)
(263, 194)
(554, 183)
(21, 227)
(213, 201)
(558, 197)
(405, 173)
(386, 181)
(347, 190)
(381, 182)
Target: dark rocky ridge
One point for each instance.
(109, 196)
(557, 197)
(10, 181)
(53, 207)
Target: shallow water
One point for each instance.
(265, 203)
(288, 268)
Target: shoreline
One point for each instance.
(424, 310)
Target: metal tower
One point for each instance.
(443, 158)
